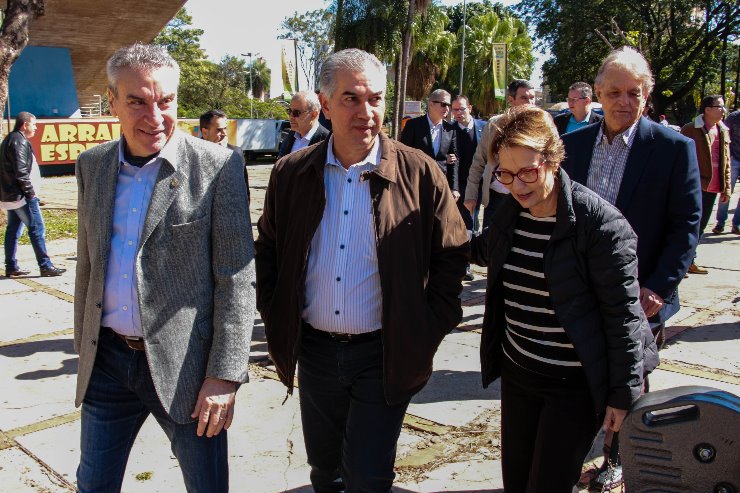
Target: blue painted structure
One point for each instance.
(42, 82)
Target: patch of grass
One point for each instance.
(60, 224)
(144, 476)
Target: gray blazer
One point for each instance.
(194, 269)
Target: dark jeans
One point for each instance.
(707, 204)
(547, 427)
(30, 216)
(723, 208)
(119, 398)
(494, 199)
(349, 430)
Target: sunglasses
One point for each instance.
(526, 175)
(442, 103)
(296, 113)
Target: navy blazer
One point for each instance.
(660, 196)
(287, 145)
(418, 134)
(466, 148)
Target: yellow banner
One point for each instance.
(500, 53)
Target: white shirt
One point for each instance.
(342, 280)
(302, 141)
(436, 134)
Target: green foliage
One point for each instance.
(371, 25)
(314, 32)
(432, 49)
(680, 38)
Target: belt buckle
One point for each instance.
(341, 337)
(135, 343)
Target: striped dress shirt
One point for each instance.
(342, 280)
(608, 163)
(535, 339)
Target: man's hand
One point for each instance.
(614, 418)
(470, 205)
(451, 159)
(651, 303)
(215, 406)
(456, 194)
(724, 198)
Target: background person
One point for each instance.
(580, 97)
(305, 129)
(214, 128)
(19, 198)
(733, 123)
(712, 140)
(563, 326)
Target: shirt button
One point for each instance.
(139, 180)
(133, 210)
(341, 247)
(124, 308)
(336, 312)
(125, 276)
(130, 242)
(346, 212)
(349, 180)
(339, 279)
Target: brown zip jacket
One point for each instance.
(695, 130)
(422, 251)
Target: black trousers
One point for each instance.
(707, 204)
(349, 430)
(547, 428)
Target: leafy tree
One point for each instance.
(314, 33)
(260, 75)
(432, 51)
(17, 18)
(680, 38)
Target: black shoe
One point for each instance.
(52, 271)
(16, 273)
(469, 276)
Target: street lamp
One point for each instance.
(251, 95)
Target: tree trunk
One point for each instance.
(14, 37)
(406, 55)
(397, 106)
(338, 25)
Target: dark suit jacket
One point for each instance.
(561, 121)
(418, 134)
(660, 196)
(320, 134)
(466, 149)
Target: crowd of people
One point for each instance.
(589, 225)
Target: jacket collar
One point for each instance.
(387, 169)
(699, 123)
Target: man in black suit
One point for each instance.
(469, 132)
(305, 129)
(213, 125)
(437, 138)
(579, 102)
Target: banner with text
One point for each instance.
(500, 54)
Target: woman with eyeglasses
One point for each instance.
(563, 327)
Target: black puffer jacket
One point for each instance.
(16, 159)
(591, 272)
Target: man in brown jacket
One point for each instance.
(712, 139)
(360, 259)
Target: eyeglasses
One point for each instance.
(459, 110)
(441, 103)
(295, 113)
(526, 175)
(720, 107)
(573, 100)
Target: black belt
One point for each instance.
(135, 343)
(341, 336)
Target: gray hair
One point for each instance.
(311, 99)
(437, 93)
(21, 119)
(351, 60)
(632, 61)
(141, 57)
(583, 89)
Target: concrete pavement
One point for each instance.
(450, 439)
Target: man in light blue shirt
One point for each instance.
(305, 129)
(580, 97)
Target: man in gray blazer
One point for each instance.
(164, 293)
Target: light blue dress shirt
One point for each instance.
(302, 141)
(342, 280)
(133, 193)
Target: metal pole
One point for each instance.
(462, 50)
(297, 82)
(251, 113)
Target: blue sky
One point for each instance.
(232, 27)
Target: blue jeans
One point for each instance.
(30, 216)
(349, 430)
(723, 208)
(119, 398)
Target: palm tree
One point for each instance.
(260, 78)
(431, 52)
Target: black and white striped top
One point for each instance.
(534, 338)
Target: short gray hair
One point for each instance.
(141, 57)
(632, 61)
(311, 99)
(439, 92)
(583, 89)
(351, 60)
